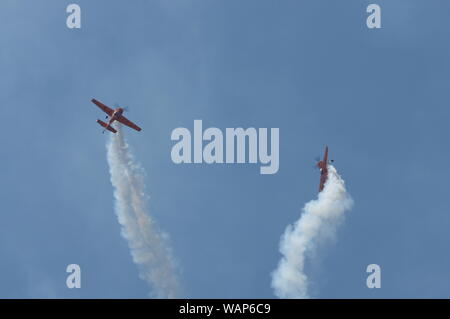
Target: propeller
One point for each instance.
(316, 160)
(125, 108)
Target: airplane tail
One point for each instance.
(106, 126)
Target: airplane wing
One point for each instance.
(104, 108)
(122, 119)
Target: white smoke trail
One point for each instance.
(318, 222)
(148, 244)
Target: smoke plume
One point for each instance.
(148, 244)
(318, 223)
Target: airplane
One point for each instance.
(322, 165)
(114, 115)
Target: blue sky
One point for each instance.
(378, 98)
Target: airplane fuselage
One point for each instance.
(322, 165)
(117, 113)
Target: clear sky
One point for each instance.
(378, 98)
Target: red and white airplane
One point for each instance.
(323, 166)
(114, 115)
